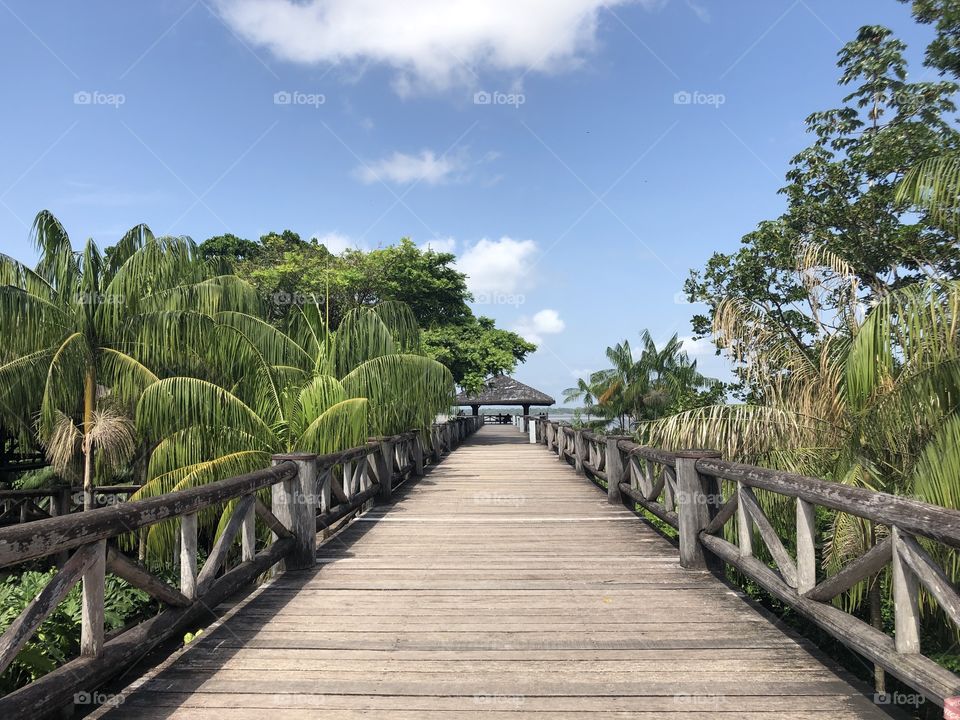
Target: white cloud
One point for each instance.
(401, 168)
(337, 242)
(440, 245)
(545, 322)
(430, 43)
(694, 347)
(495, 267)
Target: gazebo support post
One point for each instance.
(476, 409)
(526, 418)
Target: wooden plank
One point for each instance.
(785, 563)
(930, 575)
(866, 566)
(223, 544)
(138, 576)
(91, 609)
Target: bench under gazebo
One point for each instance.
(504, 391)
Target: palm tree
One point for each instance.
(86, 332)
(871, 405)
(305, 389)
(641, 388)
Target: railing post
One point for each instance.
(578, 450)
(806, 547)
(693, 505)
(906, 606)
(417, 444)
(384, 461)
(188, 556)
(295, 505)
(248, 535)
(614, 469)
(91, 611)
(533, 433)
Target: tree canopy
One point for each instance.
(289, 271)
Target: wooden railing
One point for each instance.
(18, 506)
(699, 495)
(298, 497)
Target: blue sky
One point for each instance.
(547, 142)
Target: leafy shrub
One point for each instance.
(58, 637)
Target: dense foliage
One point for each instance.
(640, 387)
(289, 271)
(840, 315)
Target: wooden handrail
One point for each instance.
(686, 490)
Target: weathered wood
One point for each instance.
(614, 469)
(418, 455)
(188, 556)
(906, 599)
(91, 599)
(930, 575)
(20, 543)
(58, 688)
(785, 563)
(692, 511)
(650, 506)
(505, 608)
(579, 450)
(912, 516)
(917, 671)
(728, 510)
(270, 520)
(806, 546)
(138, 576)
(295, 505)
(25, 625)
(866, 566)
(384, 469)
(218, 554)
(248, 533)
(744, 525)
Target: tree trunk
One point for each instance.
(89, 401)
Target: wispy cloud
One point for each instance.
(430, 43)
(401, 168)
(545, 322)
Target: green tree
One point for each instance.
(85, 333)
(303, 389)
(842, 195)
(658, 382)
(288, 271)
(944, 52)
(475, 349)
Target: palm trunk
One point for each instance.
(89, 399)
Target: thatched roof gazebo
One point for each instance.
(501, 390)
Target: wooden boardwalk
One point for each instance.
(500, 585)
